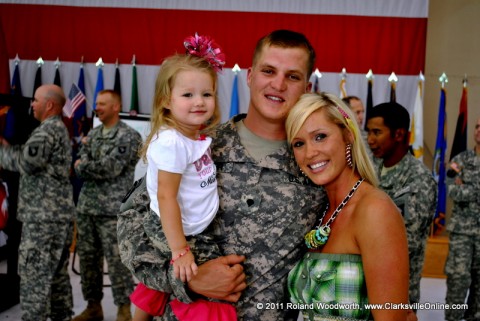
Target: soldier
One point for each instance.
(463, 262)
(266, 206)
(106, 163)
(357, 108)
(405, 179)
(45, 207)
(356, 105)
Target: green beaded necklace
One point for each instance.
(319, 236)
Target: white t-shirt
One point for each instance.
(197, 197)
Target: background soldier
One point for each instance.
(405, 179)
(45, 207)
(463, 262)
(106, 163)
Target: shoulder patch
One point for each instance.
(33, 150)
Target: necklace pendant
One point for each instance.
(318, 237)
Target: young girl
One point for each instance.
(181, 179)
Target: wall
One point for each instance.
(453, 47)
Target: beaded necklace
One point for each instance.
(319, 236)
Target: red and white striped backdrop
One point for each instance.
(383, 35)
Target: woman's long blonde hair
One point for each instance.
(161, 116)
(338, 113)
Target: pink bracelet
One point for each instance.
(187, 249)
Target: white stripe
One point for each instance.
(381, 8)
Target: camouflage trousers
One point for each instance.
(416, 261)
(45, 289)
(462, 268)
(96, 241)
(145, 252)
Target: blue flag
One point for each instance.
(234, 102)
(98, 87)
(439, 165)
(82, 110)
(316, 85)
(16, 87)
(80, 127)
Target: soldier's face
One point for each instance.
(39, 104)
(106, 108)
(380, 138)
(357, 107)
(276, 81)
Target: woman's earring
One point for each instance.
(348, 155)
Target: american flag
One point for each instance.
(75, 99)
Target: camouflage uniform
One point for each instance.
(265, 210)
(45, 206)
(107, 167)
(413, 189)
(463, 262)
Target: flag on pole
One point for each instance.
(82, 109)
(16, 90)
(234, 102)
(38, 75)
(38, 79)
(81, 126)
(75, 99)
(460, 138)
(134, 106)
(56, 80)
(316, 84)
(393, 85)
(439, 165)
(16, 87)
(393, 95)
(369, 107)
(98, 86)
(416, 126)
(117, 85)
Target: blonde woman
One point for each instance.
(357, 254)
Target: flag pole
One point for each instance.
(392, 79)
(369, 105)
(439, 161)
(235, 100)
(343, 82)
(316, 85)
(134, 104)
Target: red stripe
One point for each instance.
(358, 43)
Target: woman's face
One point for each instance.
(319, 149)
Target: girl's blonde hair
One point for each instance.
(338, 113)
(161, 116)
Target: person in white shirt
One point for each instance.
(181, 176)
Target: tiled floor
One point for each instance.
(432, 291)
